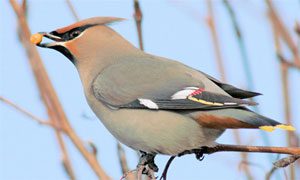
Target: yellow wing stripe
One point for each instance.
(280, 126)
(204, 102)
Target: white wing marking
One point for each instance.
(183, 94)
(148, 103)
(230, 103)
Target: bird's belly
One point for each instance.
(162, 132)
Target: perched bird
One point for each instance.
(152, 104)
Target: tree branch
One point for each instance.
(283, 32)
(28, 114)
(138, 16)
(72, 9)
(25, 112)
(251, 149)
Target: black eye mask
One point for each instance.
(73, 33)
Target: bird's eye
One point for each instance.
(74, 34)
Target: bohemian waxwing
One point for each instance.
(152, 104)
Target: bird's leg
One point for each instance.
(147, 163)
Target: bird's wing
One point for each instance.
(233, 91)
(148, 83)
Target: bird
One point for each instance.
(152, 104)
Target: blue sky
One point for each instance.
(172, 29)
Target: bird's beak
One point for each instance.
(38, 38)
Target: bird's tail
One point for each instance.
(239, 118)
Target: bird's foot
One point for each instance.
(148, 160)
(147, 165)
(198, 153)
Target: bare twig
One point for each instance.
(30, 115)
(288, 63)
(138, 16)
(282, 163)
(25, 7)
(211, 24)
(240, 39)
(285, 162)
(123, 163)
(165, 172)
(252, 164)
(251, 149)
(27, 113)
(50, 98)
(72, 9)
(282, 30)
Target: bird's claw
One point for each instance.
(147, 160)
(198, 153)
(147, 165)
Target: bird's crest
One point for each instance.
(90, 22)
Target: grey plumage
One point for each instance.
(150, 103)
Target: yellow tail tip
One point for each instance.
(280, 126)
(286, 127)
(267, 128)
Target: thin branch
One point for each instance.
(50, 98)
(165, 172)
(211, 24)
(72, 9)
(123, 163)
(288, 63)
(282, 163)
(270, 173)
(251, 149)
(138, 16)
(241, 42)
(27, 113)
(283, 32)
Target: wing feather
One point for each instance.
(148, 83)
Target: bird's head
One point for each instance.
(81, 40)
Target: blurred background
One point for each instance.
(251, 44)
